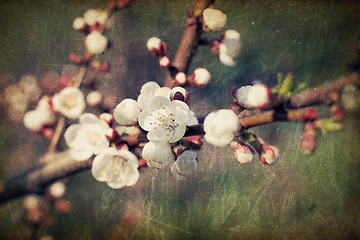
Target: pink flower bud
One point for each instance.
(270, 154)
(338, 113)
(165, 62)
(75, 58)
(308, 139)
(180, 78)
(243, 154)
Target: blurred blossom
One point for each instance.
(165, 120)
(31, 201)
(201, 76)
(41, 116)
(127, 112)
(30, 87)
(350, 97)
(229, 47)
(214, 19)
(57, 189)
(158, 155)
(118, 168)
(180, 78)
(254, 96)
(70, 102)
(96, 43)
(150, 90)
(185, 164)
(220, 127)
(87, 138)
(50, 82)
(94, 98)
(92, 17)
(79, 23)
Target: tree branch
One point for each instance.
(189, 42)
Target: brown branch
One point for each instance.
(319, 94)
(189, 42)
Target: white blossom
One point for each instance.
(42, 115)
(150, 90)
(127, 112)
(30, 87)
(254, 96)
(57, 189)
(158, 155)
(78, 23)
(94, 98)
(180, 78)
(214, 19)
(154, 44)
(220, 127)
(87, 138)
(201, 76)
(350, 97)
(185, 164)
(118, 168)
(229, 47)
(165, 120)
(96, 43)
(92, 17)
(70, 102)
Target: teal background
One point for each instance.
(301, 197)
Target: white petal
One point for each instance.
(88, 118)
(100, 167)
(81, 154)
(159, 135)
(71, 133)
(178, 133)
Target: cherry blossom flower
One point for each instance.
(118, 168)
(127, 112)
(158, 155)
(254, 96)
(70, 102)
(201, 77)
(229, 47)
(220, 127)
(214, 19)
(92, 17)
(96, 43)
(87, 138)
(243, 154)
(79, 23)
(165, 120)
(150, 90)
(42, 115)
(185, 164)
(94, 98)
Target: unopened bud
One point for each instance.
(201, 77)
(79, 24)
(48, 132)
(179, 93)
(243, 154)
(57, 190)
(62, 206)
(94, 98)
(75, 58)
(308, 139)
(165, 62)
(255, 96)
(65, 81)
(180, 78)
(270, 154)
(338, 113)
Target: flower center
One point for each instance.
(164, 119)
(69, 102)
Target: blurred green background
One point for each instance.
(301, 197)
